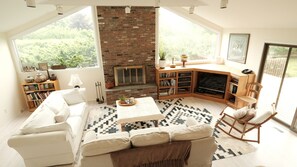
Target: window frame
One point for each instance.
(45, 21)
(195, 19)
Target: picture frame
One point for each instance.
(238, 47)
(43, 66)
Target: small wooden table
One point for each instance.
(145, 109)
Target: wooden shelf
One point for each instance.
(36, 93)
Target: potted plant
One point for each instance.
(162, 60)
(122, 99)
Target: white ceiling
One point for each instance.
(251, 13)
(238, 14)
(14, 13)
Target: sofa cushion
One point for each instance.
(149, 136)
(90, 136)
(191, 121)
(57, 104)
(105, 143)
(62, 116)
(192, 132)
(74, 96)
(77, 110)
(75, 124)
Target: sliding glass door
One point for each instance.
(287, 101)
(279, 80)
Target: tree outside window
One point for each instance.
(69, 41)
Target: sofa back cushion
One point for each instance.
(74, 96)
(56, 103)
(192, 132)
(149, 136)
(104, 143)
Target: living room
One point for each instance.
(273, 26)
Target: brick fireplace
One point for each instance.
(128, 40)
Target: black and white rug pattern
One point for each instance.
(175, 112)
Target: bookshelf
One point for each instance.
(173, 83)
(36, 93)
(237, 87)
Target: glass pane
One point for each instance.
(178, 35)
(139, 75)
(272, 75)
(120, 76)
(288, 95)
(127, 76)
(133, 75)
(69, 41)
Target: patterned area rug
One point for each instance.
(176, 112)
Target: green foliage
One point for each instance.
(162, 55)
(69, 41)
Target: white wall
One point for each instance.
(11, 98)
(257, 39)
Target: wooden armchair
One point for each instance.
(228, 122)
(252, 94)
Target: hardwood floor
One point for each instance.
(278, 145)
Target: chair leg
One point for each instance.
(259, 135)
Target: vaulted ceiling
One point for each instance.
(238, 14)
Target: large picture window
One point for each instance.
(178, 36)
(69, 41)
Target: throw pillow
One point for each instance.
(240, 113)
(106, 143)
(192, 132)
(149, 136)
(74, 96)
(62, 115)
(57, 103)
(249, 115)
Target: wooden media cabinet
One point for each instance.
(208, 81)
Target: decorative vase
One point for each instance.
(184, 59)
(29, 79)
(40, 77)
(109, 84)
(162, 64)
(53, 77)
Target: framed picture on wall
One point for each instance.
(42, 66)
(238, 47)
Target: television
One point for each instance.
(211, 84)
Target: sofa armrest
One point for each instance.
(39, 138)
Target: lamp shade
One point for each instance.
(75, 81)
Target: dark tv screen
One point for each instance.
(211, 82)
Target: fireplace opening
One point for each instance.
(129, 75)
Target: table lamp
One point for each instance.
(75, 81)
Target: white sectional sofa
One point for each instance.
(52, 134)
(97, 149)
